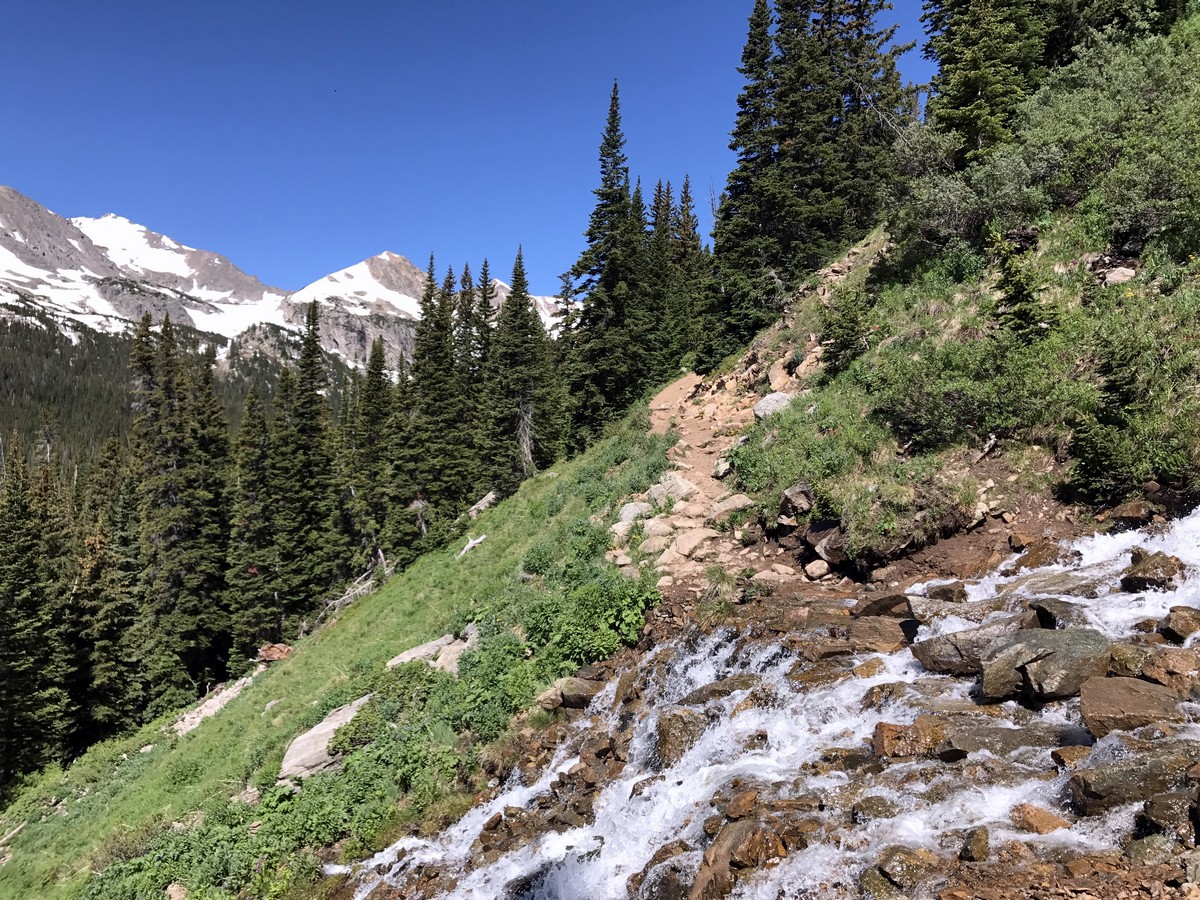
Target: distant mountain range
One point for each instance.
(104, 274)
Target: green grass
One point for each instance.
(166, 814)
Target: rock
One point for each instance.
(689, 542)
(869, 808)
(1173, 667)
(918, 739)
(1070, 757)
(1018, 541)
(1133, 514)
(550, 699)
(816, 569)
(797, 500)
(676, 732)
(176, 891)
(665, 582)
(1123, 704)
(977, 846)
(1171, 813)
(1119, 275)
(1181, 622)
(449, 655)
(877, 886)
(1034, 819)
(631, 512)
(274, 652)
(309, 753)
(771, 404)
(876, 634)
(1155, 572)
(1044, 665)
(961, 652)
(426, 651)
(1037, 554)
(661, 878)
(1058, 614)
(671, 487)
(742, 844)
(905, 867)
(997, 740)
(727, 507)
(721, 469)
(656, 544)
(897, 606)
(1152, 850)
(620, 532)
(1128, 660)
(741, 805)
(658, 528)
(720, 689)
(578, 693)
(928, 611)
(955, 592)
(1096, 789)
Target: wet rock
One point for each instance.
(1037, 555)
(1127, 516)
(905, 867)
(1058, 613)
(877, 886)
(741, 805)
(1171, 813)
(739, 845)
(796, 501)
(676, 732)
(771, 404)
(1181, 623)
(895, 606)
(1044, 665)
(577, 693)
(955, 592)
(1150, 572)
(977, 846)
(720, 689)
(876, 634)
(1128, 660)
(918, 739)
(927, 611)
(661, 885)
(1151, 850)
(1123, 704)
(1173, 667)
(870, 808)
(1096, 789)
(961, 652)
(1068, 584)
(1034, 819)
(1070, 757)
(997, 740)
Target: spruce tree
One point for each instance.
(525, 423)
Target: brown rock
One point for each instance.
(1156, 770)
(1037, 554)
(1181, 623)
(677, 731)
(1036, 820)
(894, 605)
(741, 805)
(1123, 704)
(550, 699)
(905, 867)
(274, 652)
(955, 592)
(1174, 667)
(876, 634)
(918, 739)
(1069, 757)
(977, 847)
(577, 693)
(661, 891)
(1128, 660)
(720, 689)
(1018, 541)
(1133, 514)
(1171, 813)
(1155, 572)
(739, 845)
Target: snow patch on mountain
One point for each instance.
(134, 247)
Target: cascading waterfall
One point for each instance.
(779, 745)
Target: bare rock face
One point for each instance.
(1123, 704)
(309, 753)
(1044, 665)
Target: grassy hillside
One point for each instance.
(151, 808)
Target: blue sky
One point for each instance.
(297, 138)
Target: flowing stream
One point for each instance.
(781, 745)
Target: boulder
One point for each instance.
(309, 753)
(720, 689)
(274, 652)
(905, 867)
(955, 592)
(578, 693)
(1119, 275)
(1171, 813)
(743, 844)
(449, 655)
(689, 542)
(797, 500)
(920, 738)
(1173, 667)
(631, 512)
(727, 507)
(1133, 514)
(1128, 660)
(1150, 572)
(1053, 613)
(771, 404)
(426, 651)
(1037, 555)
(1044, 665)
(1035, 820)
(961, 652)
(1181, 623)
(676, 732)
(927, 611)
(721, 469)
(877, 634)
(977, 846)
(662, 878)
(1154, 770)
(656, 528)
(897, 606)
(1123, 704)
(671, 487)
(620, 532)
(816, 569)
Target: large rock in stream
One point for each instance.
(743, 844)
(1125, 704)
(1041, 665)
(961, 653)
(1153, 770)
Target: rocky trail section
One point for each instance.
(1026, 734)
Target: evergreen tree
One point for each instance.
(523, 396)
(692, 266)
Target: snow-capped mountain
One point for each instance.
(106, 273)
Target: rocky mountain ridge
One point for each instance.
(105, 273)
